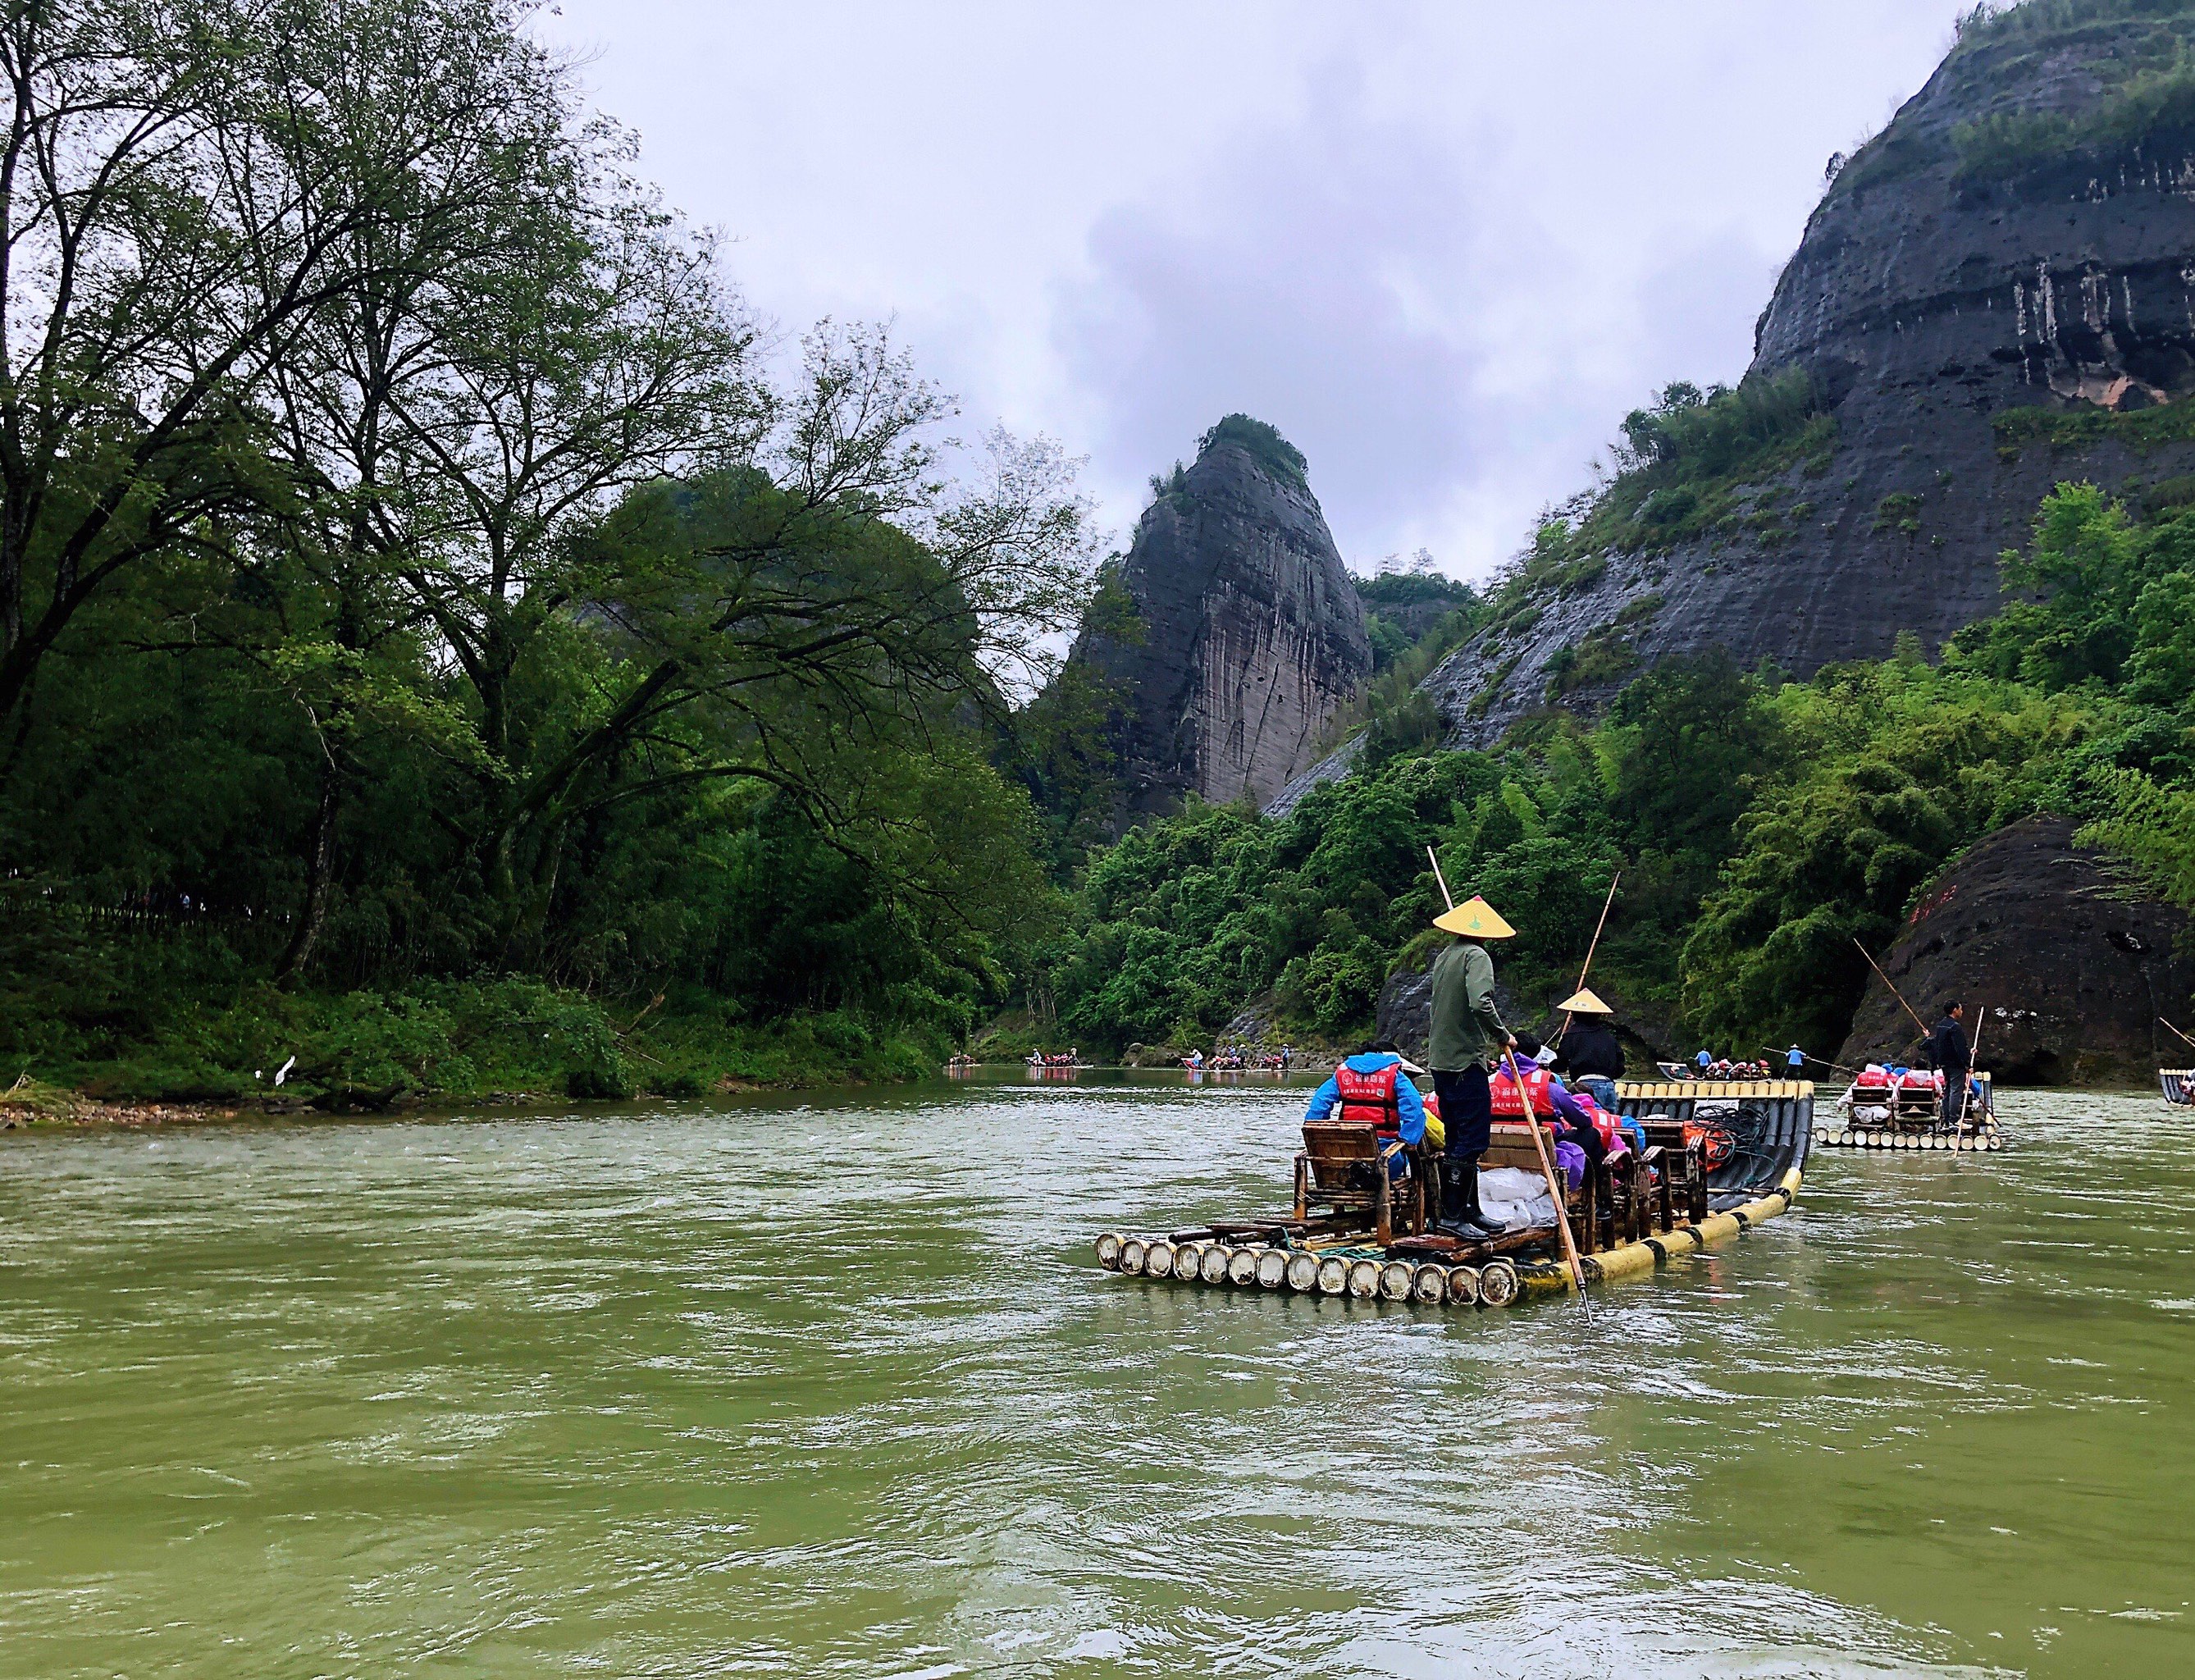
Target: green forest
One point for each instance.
(443, 639)
(448, 646)
(1762, 825)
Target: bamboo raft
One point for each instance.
(2177, 1084)
(1347, 1241)
(1912, 1120)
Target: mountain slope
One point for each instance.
(1996, 294)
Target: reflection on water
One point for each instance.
(831, 1389)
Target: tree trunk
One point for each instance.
(320, 867)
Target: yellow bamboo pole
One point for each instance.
(1539, 1143)
(1894, 991)
(1590, 949)
(1555, 1184)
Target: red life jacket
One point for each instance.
(1369, 1099)
(1506, 1101)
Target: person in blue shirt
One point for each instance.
(1706, 1061)
(1795, 1060)
(1371, 1089)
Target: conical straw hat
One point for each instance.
(1475, 921)
(1585, 1004)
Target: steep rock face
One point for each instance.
(2022, 236)
(2065, 979)
(1248, 635)
(1404, 1013)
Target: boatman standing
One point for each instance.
(1949, 1055)
(1467, 1035)
(1589, 1056)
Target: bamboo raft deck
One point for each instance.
(1627, 1223)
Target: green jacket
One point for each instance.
(1467, 1029)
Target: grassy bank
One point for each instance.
(469, 1041)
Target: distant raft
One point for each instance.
(1720, 1159)
(1905, 1114)
(2177, 1085)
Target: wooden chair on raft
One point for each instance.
(1341, 1168)
(1621, 1201)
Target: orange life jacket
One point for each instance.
(1508, 1101)
(1369, 1099)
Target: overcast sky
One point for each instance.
(1445, 247)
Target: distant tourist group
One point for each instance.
(1241, 1059)
(1706, 1066)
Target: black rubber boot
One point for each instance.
(1460, 1217)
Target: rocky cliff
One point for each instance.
(2063, 974)
(1996, 294)
(1242, 633)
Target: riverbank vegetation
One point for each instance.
(441, 640)
(446, 648)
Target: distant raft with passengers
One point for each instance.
(1902, 1108)
(1721, 1157)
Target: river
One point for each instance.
(831, 1387)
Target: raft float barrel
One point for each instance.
(1498, 1283)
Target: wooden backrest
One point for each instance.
(1341, 1141)
(1509, 1144)
(1336, 1148)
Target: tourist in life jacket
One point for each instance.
(1371, 1089)
(1567, 1119)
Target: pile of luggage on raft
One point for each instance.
(1711, 1159)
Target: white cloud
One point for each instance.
(1445, 247)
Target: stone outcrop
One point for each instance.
(2021, 237)
(2063, 974)
(1244, 635)
(1405, 1016)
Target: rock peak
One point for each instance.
(1992, 293)
(1245, 631)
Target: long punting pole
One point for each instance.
(1554, 1187)
(2171, 1029)
(1590, 949)
(1539, 1143)
(1438, 876)
(1973, 1059)
(1894, 991)
(1837, 1067)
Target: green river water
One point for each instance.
(833, 1388)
